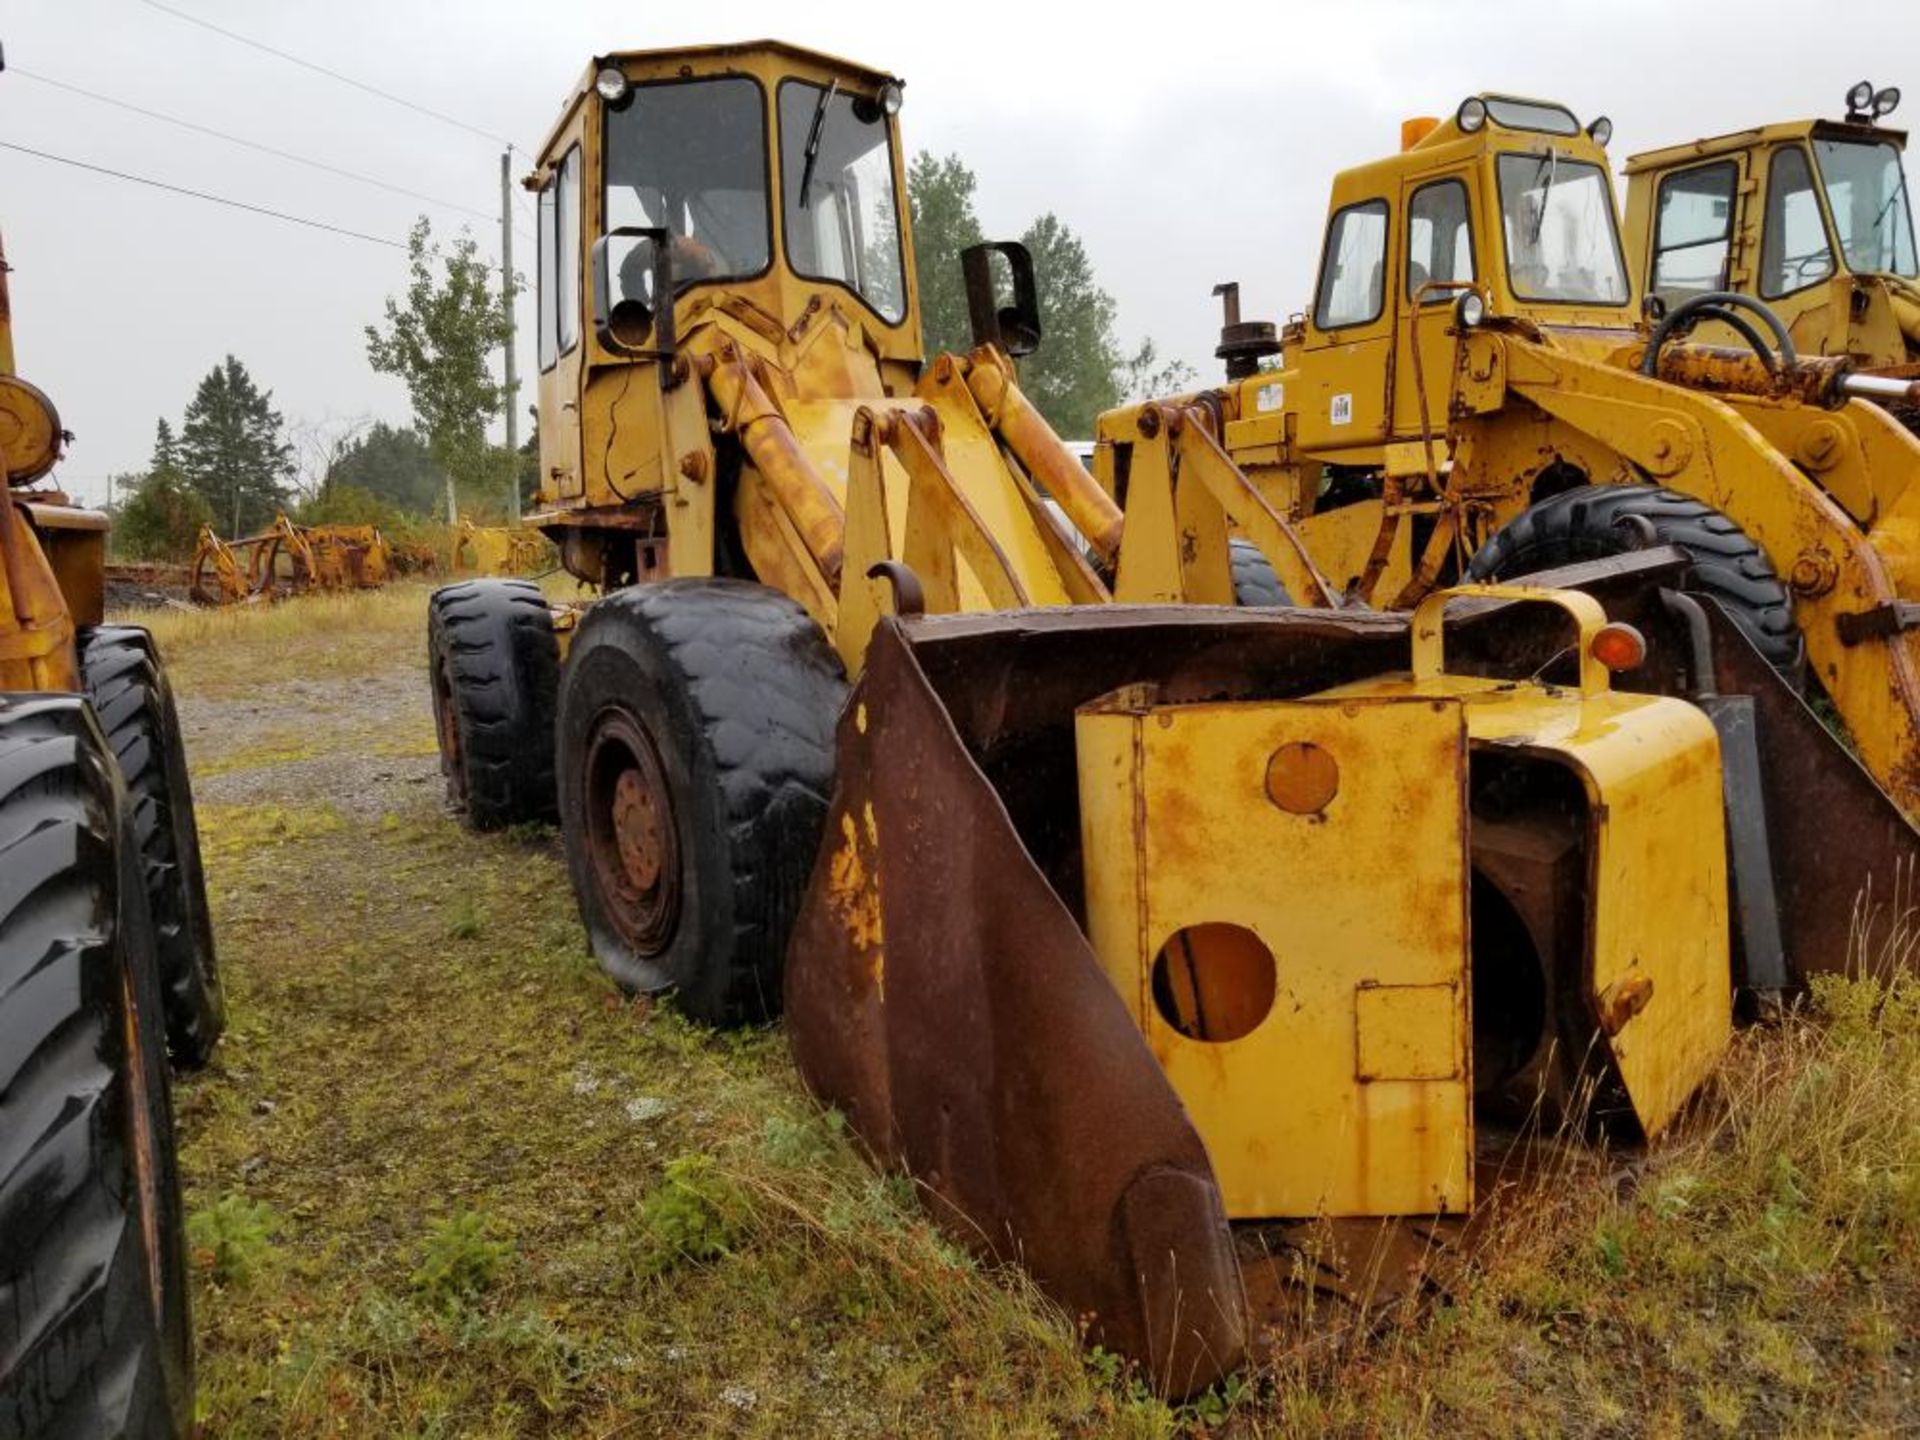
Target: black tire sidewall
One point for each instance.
(617, 664)
(153, 1123)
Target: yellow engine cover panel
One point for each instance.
(1277, 889)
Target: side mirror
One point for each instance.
(632, 269)
(1014, 328)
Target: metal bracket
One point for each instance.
(1878, 622)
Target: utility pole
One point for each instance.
(506, 300)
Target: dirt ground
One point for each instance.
(445, 1180)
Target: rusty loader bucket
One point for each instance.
(942, 989)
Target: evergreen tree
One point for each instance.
(393, 464)
(231, 450)
(161, 514)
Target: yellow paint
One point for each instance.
(1179, 831)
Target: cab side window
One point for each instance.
(1793, 250)
(1693, 233)
(1352, 286)
(1439, 240)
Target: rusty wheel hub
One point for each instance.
(630, 832)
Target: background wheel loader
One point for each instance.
(1474, 393)
(1813, 217)
(1052, 895)
(106, 962)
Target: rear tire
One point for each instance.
(134, 705)
(495, 667)
(95, 1335)
(1583, 524)
(696, 761)
(1254, 580)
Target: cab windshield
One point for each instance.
(1867, 196)
(838, 209)
(690, 157)
(1562, 241)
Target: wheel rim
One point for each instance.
(447, 725)
(631, 837)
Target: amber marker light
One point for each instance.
(1619, 646)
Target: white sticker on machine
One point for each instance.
(1269, 397)
(1341, 411)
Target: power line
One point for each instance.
(204, 195)
(361, 85)
(251, 144)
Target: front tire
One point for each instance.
(495, 667)
(95, 1335)
(134, 705)
(696, 761)
(1255, 582)
(1584, 524)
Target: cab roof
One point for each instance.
(707, 57)
(1736, 140)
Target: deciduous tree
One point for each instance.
(439, 339)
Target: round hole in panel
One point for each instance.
(1214, 981)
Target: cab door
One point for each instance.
(1436, 264)
(559, 344)
(1346, 363)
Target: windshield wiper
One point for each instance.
(813, 140)
(1551, 167)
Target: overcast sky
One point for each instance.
(1185, 146)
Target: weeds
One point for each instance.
(460, 1259)
(697, 1213)
(232, 1237)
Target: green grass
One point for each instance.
(446, 1180)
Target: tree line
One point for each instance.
(233, 462)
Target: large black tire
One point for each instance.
(696, 760)
(1254, 580)
(95, 1334)
(496, 671)
(134, 704)
(1584, 524)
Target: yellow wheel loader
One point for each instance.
(1813, 217)
(1475, 392)
(1115, 926)
(106, 962)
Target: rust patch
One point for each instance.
(1302, 778)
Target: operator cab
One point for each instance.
(1505, 209)
(1555, 252)
(1831, 200)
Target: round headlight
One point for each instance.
(1860, 96)
(1601, 130)
(1472, 114)
(1884, 102)
(1469, 310)
(612, 84)
(890, 97)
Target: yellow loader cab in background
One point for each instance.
(1813, 217)
(1474, 393)
(1062, 893)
